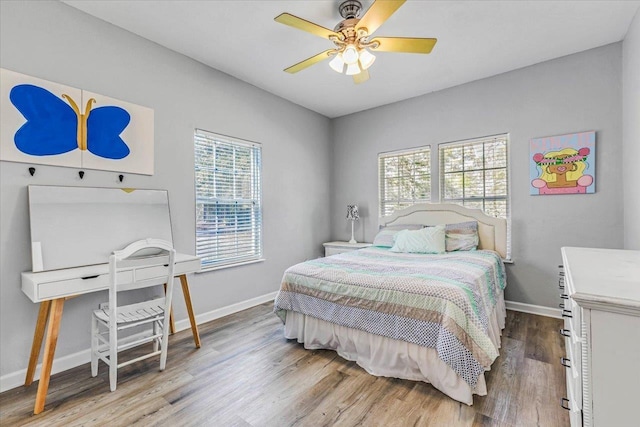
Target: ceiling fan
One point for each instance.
(352, 38)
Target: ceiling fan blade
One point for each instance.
(309, 61)
(379, 12)
(304, 25)
(362, 77)
(404, 44)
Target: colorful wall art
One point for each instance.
(564, 164)
(42, 122)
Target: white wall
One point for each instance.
(576, 93)
(56, 42)
(631, 133)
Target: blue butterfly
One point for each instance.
(55, 127)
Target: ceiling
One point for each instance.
(476, 39)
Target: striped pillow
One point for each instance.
(462, 236)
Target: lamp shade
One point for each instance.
(350, 54)
(353, 69)
(337, 63)
(352, 212)
(366, 59)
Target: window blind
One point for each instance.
(474, 174)
(404, 179)
(228, 200)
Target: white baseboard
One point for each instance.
(534, 309)
(60, 364)
(225, 311)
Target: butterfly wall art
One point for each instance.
(43, 122)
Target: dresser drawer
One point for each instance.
(573, 369)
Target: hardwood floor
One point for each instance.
(248, 374)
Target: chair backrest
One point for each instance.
(143, 263)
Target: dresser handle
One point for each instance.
(565, 333)
(564, 296)
(561, 284)
(564, 399)
(565, 362)
(566, 313)
(561, 305)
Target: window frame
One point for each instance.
(209, 262)
(470, 142)
(437, 179)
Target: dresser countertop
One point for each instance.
(604, 277)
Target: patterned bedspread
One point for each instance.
(438, 301)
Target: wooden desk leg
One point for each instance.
(192, 317)
(41, 325)
(172, 320)
(53, 328)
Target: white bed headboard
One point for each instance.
(491, 231)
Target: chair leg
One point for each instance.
(113, 356)
(94, 346)
(156, 341)
(165, 341)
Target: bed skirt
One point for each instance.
(387, 357)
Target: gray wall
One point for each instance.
(53, 41)
(631, 133)
(575, 93)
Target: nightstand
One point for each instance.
(333, 248)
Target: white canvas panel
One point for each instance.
(46, 129)
(137, 135)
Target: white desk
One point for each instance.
(52, 288)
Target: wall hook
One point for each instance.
(81, 173)
(120, 177)
(32, 170)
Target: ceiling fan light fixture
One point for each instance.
(353, 69)
(350, 54)
(366, 59)
(337, 63)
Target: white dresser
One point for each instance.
(333, 248)
(601, 297)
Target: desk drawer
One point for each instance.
(154, 272)
(51, 290)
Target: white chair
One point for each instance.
(139, 265)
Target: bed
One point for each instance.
(426, 317)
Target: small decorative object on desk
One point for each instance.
(352, 214)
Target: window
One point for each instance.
(404, 179)
(474, 174)
(228, 200)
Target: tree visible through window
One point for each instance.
(228, 200)
(404, 179)
(475, 174)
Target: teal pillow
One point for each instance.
(429, 240)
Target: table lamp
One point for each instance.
(352, 214)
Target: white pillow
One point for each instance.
(429, 240)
